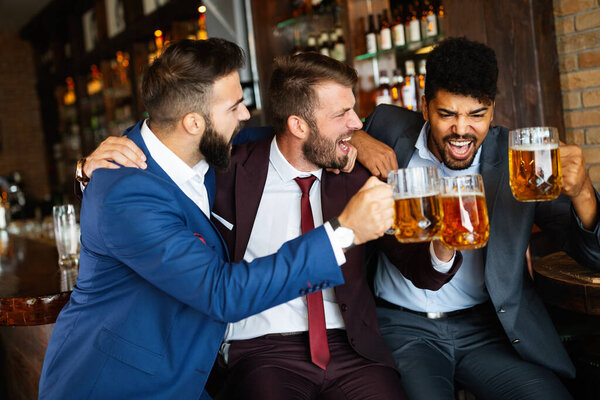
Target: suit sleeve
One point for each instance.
(414, 262)
(142, 226)
(559, 220)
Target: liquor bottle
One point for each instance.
(297, 42)
(383, 93)
(324, 44)
(339, 47)
(414, 23)
(385, 33)
(311, 43)
(440, 12)
(430, 19)
(397, 84)
(202, 34)
(398, 37)
(371, 36)
(316, 5)
(421, 83)
(409, 90)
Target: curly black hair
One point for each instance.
(464, 67)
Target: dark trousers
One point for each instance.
(275, 367)
(469, 348)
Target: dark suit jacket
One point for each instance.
(238, 196)
(519, 308)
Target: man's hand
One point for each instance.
(118, 149)
(577, 185)
(377, 157)
(370, 212)
(351, 161)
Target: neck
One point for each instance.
(179, 142)
(291, 148)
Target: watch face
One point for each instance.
(345, 236)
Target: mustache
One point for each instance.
(456, 136)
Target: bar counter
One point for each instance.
(33, 290)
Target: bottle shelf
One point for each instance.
(419, 47)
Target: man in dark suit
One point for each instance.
(156, 288)
(487, 328)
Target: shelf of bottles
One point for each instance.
(394, 53)
(316, 26)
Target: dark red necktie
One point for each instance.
(317, 331)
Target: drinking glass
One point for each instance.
(66, 233)
(465, 223)
(534, 164)
(418, 216)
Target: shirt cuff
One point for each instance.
(438, 264)
(338, 251)
(82, 186)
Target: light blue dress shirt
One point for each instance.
(467, 287)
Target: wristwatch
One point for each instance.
(79, 174)
(342, 236)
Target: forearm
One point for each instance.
(586, 206)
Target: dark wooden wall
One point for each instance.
(522, 34)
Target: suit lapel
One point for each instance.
(135, 135)
(250, 178)
(333, 194)
(404, 156)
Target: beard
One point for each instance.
(447, 159)
(214, 147)
(322, 152)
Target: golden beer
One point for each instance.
(535, 172)
(417, 219)
(465, 221)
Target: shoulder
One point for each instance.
(386, 115)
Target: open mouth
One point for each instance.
(460, 149)
(343, 145)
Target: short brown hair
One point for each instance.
(181, 79)
(292, 92)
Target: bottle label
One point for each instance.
(386, 39)
(339, 52)
(432, 27)
(324, 50)
(371, 43)
(398, 33)
(409, 97)
(415, 30)
(387, 99)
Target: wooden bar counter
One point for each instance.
(33, 290)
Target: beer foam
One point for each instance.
(534, 147)
(414, 196)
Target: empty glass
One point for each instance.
(66, 233)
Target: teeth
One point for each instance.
(343, 145)
(459, 144)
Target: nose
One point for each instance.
(244, 114)
(462, 125)
(354, 122)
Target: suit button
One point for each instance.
(317, 287)
(302, 292)
(501, 310)
(516, 341)
(344, 308)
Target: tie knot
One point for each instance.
(305, 183)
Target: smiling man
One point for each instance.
(486, 329)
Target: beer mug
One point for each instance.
(534, 164)
(465, 224)
(417, 205)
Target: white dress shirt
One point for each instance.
(467, 287)
(277, 221)
(190, 180)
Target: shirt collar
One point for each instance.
(174, 166)
(426, 154)
(284, 169)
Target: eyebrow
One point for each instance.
(236, 103)
(343, 111)
(477, 111)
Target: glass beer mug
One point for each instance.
(416, 196)
(534, 164)
(465, 219)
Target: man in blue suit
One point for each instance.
(155, 288)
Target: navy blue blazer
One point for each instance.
(156, 290)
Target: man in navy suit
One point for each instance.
(156, 288)
(487, 329)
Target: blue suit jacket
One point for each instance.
(155, 291)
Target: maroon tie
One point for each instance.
(317, 331)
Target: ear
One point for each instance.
(298, 127)
(425, 108)
(194, 123)
(493, 108)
